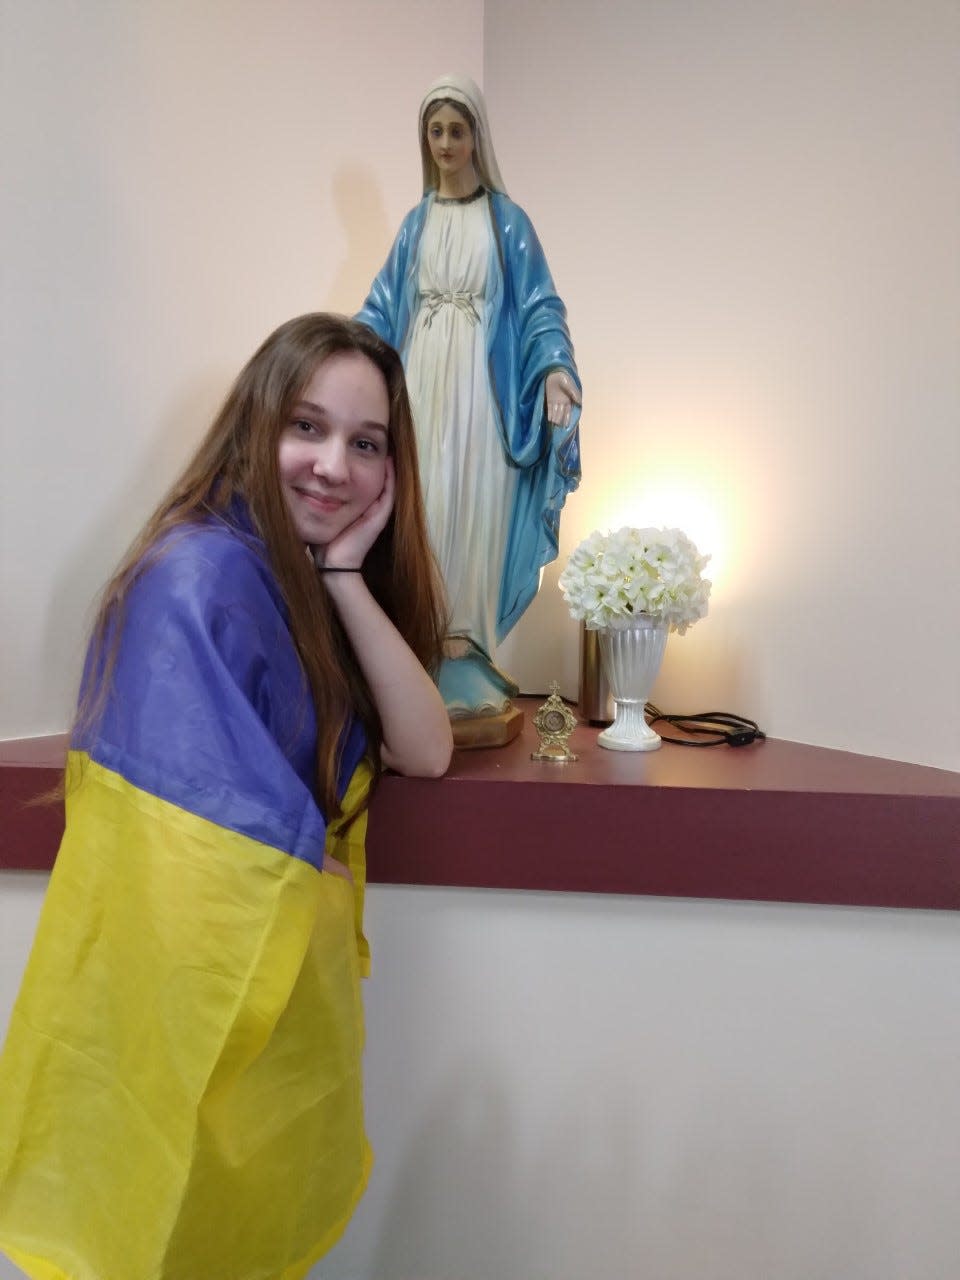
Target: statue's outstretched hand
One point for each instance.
(559, 398)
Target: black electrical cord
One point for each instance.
(708, 728)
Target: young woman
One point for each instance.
(467, 298)
(181, 1080)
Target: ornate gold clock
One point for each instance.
(554, 723)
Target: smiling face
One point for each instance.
(450, 140)
(333, 451)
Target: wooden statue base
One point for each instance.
(487, 731)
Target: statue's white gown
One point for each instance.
(468, 485)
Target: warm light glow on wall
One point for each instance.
(671, 504)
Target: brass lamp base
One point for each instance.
(487, 731)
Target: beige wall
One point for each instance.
(751, 210)
(766, 317)
(179, 179)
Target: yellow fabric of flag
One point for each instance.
(180, 1092)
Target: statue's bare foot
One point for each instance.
(456, 647)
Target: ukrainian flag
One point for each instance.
(180, 1092)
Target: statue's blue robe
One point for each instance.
(181, 1088)
(527, 337)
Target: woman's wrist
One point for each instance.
(318, 556)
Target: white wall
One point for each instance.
(561, 1087)
(751, 210)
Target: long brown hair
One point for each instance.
(239, 458)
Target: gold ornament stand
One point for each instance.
(487, 731)
(554, 723)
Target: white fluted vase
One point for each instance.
(631, 655)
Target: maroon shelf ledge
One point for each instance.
(776, 821)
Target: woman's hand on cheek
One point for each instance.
(349, 548)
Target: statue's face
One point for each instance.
(450, 139)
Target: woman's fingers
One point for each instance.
(334, 868)
(389, 484)
(351, 546)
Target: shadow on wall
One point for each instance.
(469, 1201)
(183, 420)
(92, 560)
(358, 200)
(459, 1169)
(708, 659)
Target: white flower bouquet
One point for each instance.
(612, 577)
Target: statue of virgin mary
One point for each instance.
(467, 298)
